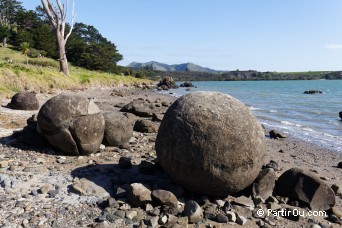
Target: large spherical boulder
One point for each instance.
(118, 130)
(24, 101)
(72, 123)
(211, 144)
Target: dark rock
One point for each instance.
(337, 188)
(271, 165)
(339, 165)
(210, 143)
(125, 163)
(139, 108)
(72, 123)
(186, 84)
(138, 194)
(313, 92)
(164, 198)
(193, 211)
(221, 218)
(118, 129)
(147, 167)
(145, 126)
(340, 114)
(264, 184)
(167, 83)
(302, 185)
(157, 117)
(276, 135)
(24, 101)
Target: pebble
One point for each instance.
(241, 220)
(3, 164)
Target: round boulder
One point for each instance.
(118, 130)
(72, 123)
(210, 143)
(24, 101)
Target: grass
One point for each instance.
(42, 75)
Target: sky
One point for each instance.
(263, 35)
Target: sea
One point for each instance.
(283, 106)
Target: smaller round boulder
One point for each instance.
(118, 130)
(24, 101)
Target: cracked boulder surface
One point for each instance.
(72, 124)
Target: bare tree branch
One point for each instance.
(46, 7)
(72, 21)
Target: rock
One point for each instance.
(312, 92)
(138, 194)
(125, 163)
(264, 184)
(340, 114)
(118, 129)
(86, 187)
(276, 135)
(193, 211)
(24, 101)
(167, 83)
(3, 164)
(337, 188)
(299, 184)
(335, 211)
(72, 124)
(139, 108)
(241, 220)
(156, 117)
(221, 218)
(339, 165)
(210, 143)
(29, 134)
(175, 189)
(186, 84)
(271, 165)
(163, 220)
(145, 126)
(243, 201)
(231, 216)
(164, 198)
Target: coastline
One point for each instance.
(287, 153)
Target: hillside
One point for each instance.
(42, 75)
(170, 68)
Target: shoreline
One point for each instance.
(48, 166)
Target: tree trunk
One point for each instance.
(4, 42)
(63, 62)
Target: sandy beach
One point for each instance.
(39, 183)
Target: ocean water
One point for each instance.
(281, 105)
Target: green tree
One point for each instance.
(25, 50)
(8, 12)
(89, 49)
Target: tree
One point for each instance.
(57, 19)
(8, 11)
(25, 50)
(89, 49)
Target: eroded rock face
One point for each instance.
(210, 143)
(299, 184)
(118, 129)
(24, 101)
(71, 123)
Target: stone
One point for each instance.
(72, 124)
(86, 187)
(45, 188)
(337, 188)
(118, 129)
(139, 108)
(264, 184)
(210, 143)
(145, 126)
(138, 194)
(193, 211)
(241, 220)
(271, 165)
(276, 135)
(3, 164)
(221, 218)
(339, 165)
(186, 84)
(162, 220)
(340, 114)
(167, 83)
(24, 101)
(164, 198)
(315, 226)
(231, 216)
(175, 189)
(156, 117)
(303, 185)
(125, 162)
(312, 92)
(243, 201)
(335, 211)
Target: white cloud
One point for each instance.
(333, 46)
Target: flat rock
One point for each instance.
(165, 198)
(264, 184)
(138, 194)
(88, 188)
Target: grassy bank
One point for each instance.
(42, 75)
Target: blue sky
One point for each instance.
(264, 35)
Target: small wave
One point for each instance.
(291, 124)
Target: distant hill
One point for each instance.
(171, 68)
